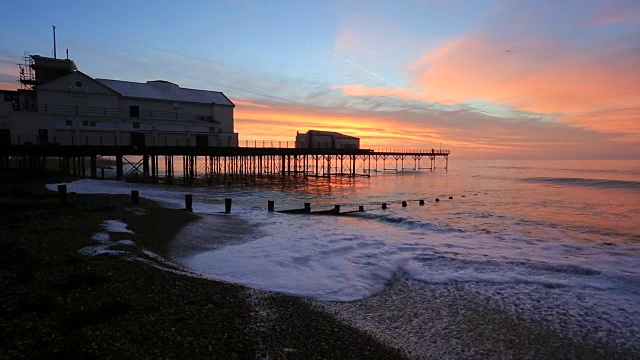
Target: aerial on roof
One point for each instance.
(164, 90)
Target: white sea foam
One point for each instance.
(352, 258)
(96, 250)
(101, 237)
(116, 226)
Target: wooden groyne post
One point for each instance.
(227, 206)
(188, 202)
(62, 193)
(135, 197)
(270, 206)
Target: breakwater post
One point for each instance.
(270, 206)
(62, 193)
(188, 202)
(336, 209)
(307, 207)
(227, 205)
(404, 204)
(361, 208)
(421, 202)
(135, 197)
(384, 206)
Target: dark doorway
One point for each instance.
(43, 136)
(202, 141)
(137, 139)
(5, 137)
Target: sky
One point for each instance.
(494, 79)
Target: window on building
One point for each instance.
(85, 123)
(134, 111)
(68, 123)
(136, 125)
(93, 123)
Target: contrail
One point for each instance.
(367, 70)
(348, 61)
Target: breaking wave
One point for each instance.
(583, 182)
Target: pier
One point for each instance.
(217, 164)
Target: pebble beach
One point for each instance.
(58, 303)
(97, 279)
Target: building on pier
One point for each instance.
(58, 104)
(315, 139)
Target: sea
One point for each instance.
(554, 241)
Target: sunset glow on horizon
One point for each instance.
(484, 79)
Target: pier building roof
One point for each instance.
(164, 90)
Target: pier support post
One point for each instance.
(227, 205)
(94, 167)
(119, 171)
(135, 197)
(145, 165)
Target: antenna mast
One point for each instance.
(54, 41)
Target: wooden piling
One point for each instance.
(404, 204)
(135, 197)
(450, 197)
(188, 202)
(270, 206)
(307, 207)
(94, 168)
(119, 171)
(361, 208)
(336, 209)
(384, 206)
(437, 200)
(421, 202)
(227, 206)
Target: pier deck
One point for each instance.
(219, 163)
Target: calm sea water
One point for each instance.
(546, 237)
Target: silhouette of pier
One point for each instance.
(217, 164)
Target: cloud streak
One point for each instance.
(585, 83)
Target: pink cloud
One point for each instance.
(534, 75)
(9, 86)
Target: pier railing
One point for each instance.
(162, 141)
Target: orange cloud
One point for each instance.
(457, 131)
(9, 85)
(248, 103)
(534, 76)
